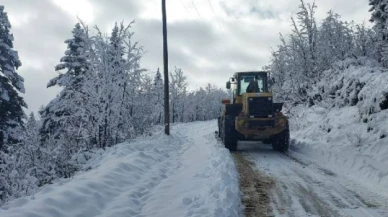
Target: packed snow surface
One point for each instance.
(186, 174)
(306, 188)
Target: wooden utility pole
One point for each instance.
(166, 83)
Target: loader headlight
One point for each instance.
(281, 122)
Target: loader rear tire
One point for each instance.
(229, 133)
(281, 141)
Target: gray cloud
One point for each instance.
(237, 37)
(106, 13)
(357, 10)
(192, 42)
(251, 9)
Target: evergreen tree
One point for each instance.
(379, 9)
(158, 98)
(63, 131)
(11, 111)
(363, 42)
(36, 159)
(75, 61)
(65, 111)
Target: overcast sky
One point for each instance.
(208, 39)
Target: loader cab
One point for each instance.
(240, 81)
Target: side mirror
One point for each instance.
(225, 101)
(228, 85)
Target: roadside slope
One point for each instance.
(186, 174)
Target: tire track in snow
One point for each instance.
(255, 187)
(355, 190)
(303, 188)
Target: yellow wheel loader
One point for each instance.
(252, 115)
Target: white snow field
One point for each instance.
(186, 174)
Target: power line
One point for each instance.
(185, 7)
(203, 22)
(218, 23)
(195, 7)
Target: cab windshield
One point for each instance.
(245, 80)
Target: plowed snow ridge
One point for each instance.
(186, 174)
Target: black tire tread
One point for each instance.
(229, 135)
(281, 142)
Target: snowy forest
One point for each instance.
(106, 98)
(319, 62)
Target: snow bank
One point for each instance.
(186, 174)
(354, 83)
(348, 130)
(341, 141)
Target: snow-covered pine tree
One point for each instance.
(28, 161)
(13, 180)
(158, 98)
(65, 111)
(11, 104)
(63, 119)
(36, 161)
(379, 9)
(364, 42)
(75, 61)
(11, 111)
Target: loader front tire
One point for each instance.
(229, 133)
(281, 141)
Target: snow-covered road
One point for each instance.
(306, 188)
(186, 174)
(191, 174)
